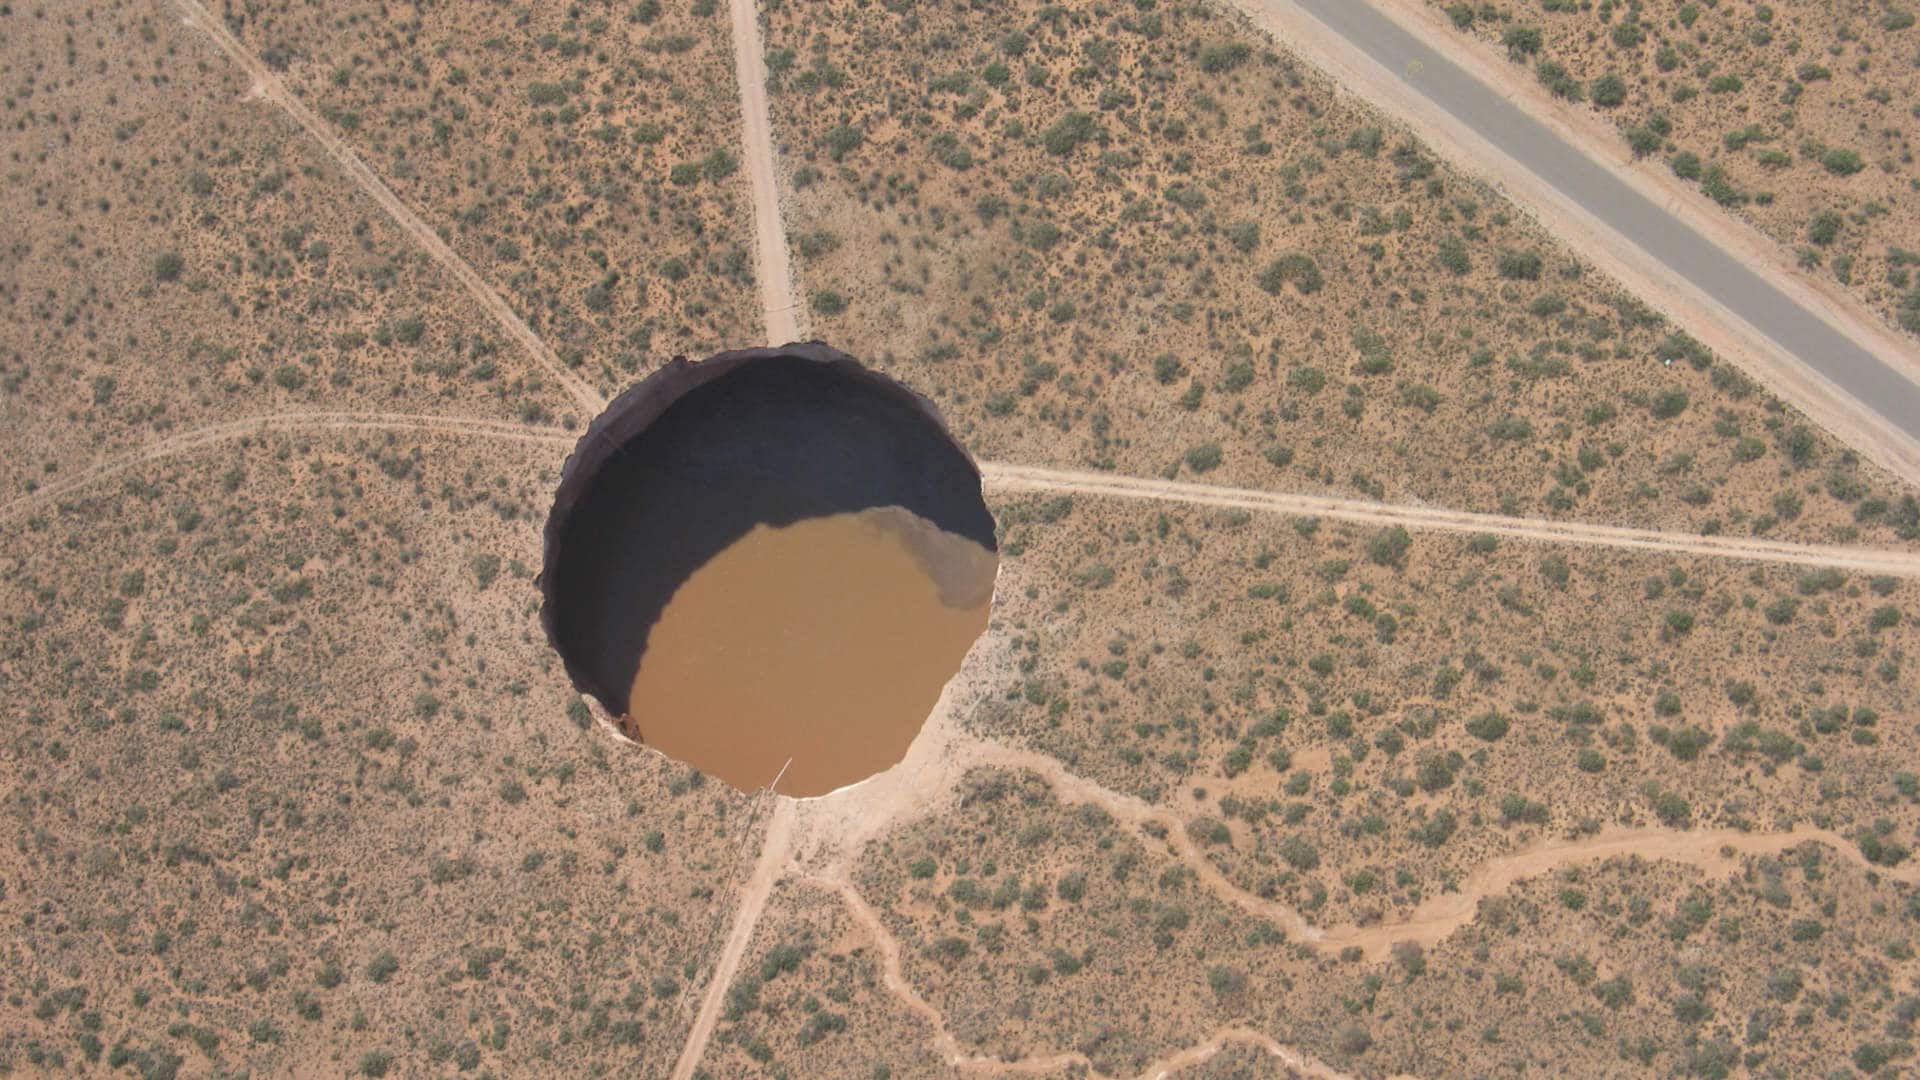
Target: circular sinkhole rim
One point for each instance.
(629, 414)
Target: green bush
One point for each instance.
(1553, 75)
(1067, 134)
(1842, 162)
(1519, 265)
(1215, 59)
(1521, 41)
(1204, 458)
(1608, 91)
(1488, 726)
(1389, 546)
(1295, 266)
(843, 139)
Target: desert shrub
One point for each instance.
(1488, 726)
(1553, 75)
(1389, 546)
(843, 139)
(1203, 458)
(1521, 41)
(1668, 404)
(1226, 56)
(1299, 852)
(1519, 265)
(1842, 162)
(1295, 266)
(1069, 133)
(1608, 91)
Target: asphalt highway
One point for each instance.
(1795, 328)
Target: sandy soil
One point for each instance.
(1678, 298)
(267, 87)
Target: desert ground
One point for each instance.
(1796, 117)
(1395, 668)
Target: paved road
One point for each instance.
(1792, 326)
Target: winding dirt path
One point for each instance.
(770, 867)
(779, 304)
(894, 977)
(1865, 560)
(831, 832)
(267, 86)
(1398, 94)
(229, 430)
(1713, 851)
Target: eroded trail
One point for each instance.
(779, 305)
(228, 430)
(894, 977)
(1007, 477)
(769, 868)
(267, 86)
(1713, 851)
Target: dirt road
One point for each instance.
(226, 431)
(1718, 279)
(895, 980)
(770, 867)
(267, 86)
(1003, 477)
(785, 319)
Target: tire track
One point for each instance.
(229, 430)
(1865, 560)
(769, 869)
(894, 976)
(267, 85)
(1060, 481)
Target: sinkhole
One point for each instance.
(768, 564)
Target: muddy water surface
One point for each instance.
(824, 643)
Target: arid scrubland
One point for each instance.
(294, 782)
(177, 256)
(291, 781)
(1139, 239)
(1033, 926)
(1800, 118)
(809, 1000)
(583, 157)
(1352, 720)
